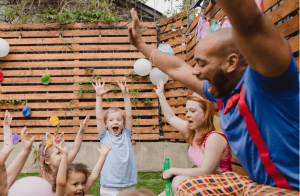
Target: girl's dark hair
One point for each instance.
(73, 167)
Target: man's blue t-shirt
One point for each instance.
(119, 169)
(274, 104)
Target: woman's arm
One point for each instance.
(6, 130)
(211, 159)
(99, 113)
(173, 120)
(3, 174)
(78, 140)
(128, 109)
(16, 166)
(61, 178)
(98, 167)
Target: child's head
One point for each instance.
(77, 175)
(114, 119)
(49, 159)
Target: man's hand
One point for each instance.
(7, 118)
(26, 144)
(84, 125)
(100, 91)
(123, 87)
(134, 30)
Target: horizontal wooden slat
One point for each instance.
(95, 137)
(294, 42)
(176, 17)
(171, 34)
(94, 25)
(177, 24)
(213, 11)
(173, 135)
(190, 54)
(86, 40)
(68, 113)
(192, 62)
(67, 105)
(191, 45)
(67, 122)
(49, 88)
(283, 10)
(58, 96)
(267, 4)
(37, 80)
(72, 33)
(289, 27)
(73, 56)
(74, 48)
(174, 42)
(297, 62)
(73, 130)
(181, 116)
(169, 128)
(193, 25)
(179, 49)
(190, 37)
(209, 7)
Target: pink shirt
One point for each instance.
(196, 155)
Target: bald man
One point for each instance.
(250, 72)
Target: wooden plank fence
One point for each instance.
(74, 55)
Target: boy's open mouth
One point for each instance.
(115, 129)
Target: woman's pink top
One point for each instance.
(196, 155)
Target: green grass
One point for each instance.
(148, 180)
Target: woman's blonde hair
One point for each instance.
(207, 126)
(45, 169)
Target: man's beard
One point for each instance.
(220, 81)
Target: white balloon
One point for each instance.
(31, 186)
(4, 47)
(142, 67)
(156, 75)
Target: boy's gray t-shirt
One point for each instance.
(119, 169)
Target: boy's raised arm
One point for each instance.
(78, 141)
(98, 167)
(100, 91)
(128, 109)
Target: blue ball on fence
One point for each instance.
(26, 111)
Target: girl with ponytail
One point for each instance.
(208, 150)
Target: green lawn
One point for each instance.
(147, 180)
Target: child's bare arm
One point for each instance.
(173, 120)
(100, 91)
(61, 178)
(77, 143)
(16, 166)
(98, 167)
(128, 109)
(6, 130)
(3, 175)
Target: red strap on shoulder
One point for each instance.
(257, 139)
(220, 103)
(204, 142)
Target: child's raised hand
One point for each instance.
(61, 147)
(100, 91)
(160, 88)
(7, 118)
(26, 144)
(123, 87)
(103, 150)
(84, 125)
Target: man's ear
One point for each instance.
(232, 62)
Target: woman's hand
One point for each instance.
(84, 125)
(134, 30)
(100, 91)
(168, 174)
(160, 88)
(7, 118)
(26, 144)
(123, 87)
(103, 150)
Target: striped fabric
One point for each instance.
(229, 183)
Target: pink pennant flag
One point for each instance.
(226, 23)
(205, 29)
